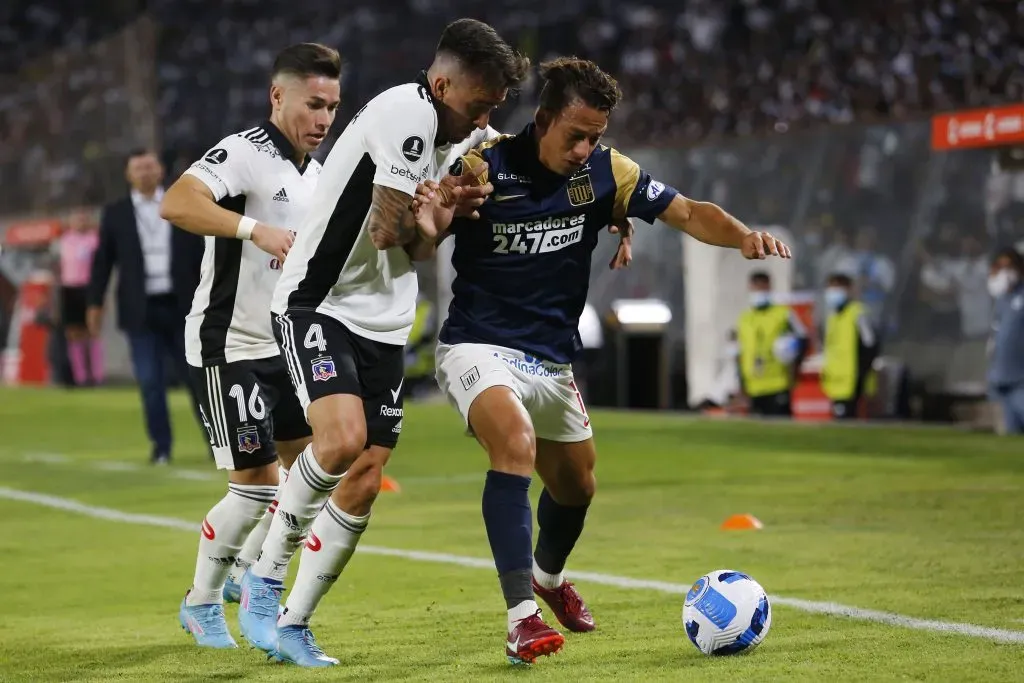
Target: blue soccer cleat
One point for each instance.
(232, 591)
(206, 624)
(297, 645)
(258, 608)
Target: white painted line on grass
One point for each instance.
(195, 475)
(200, 475)
(440, 480)
(115, 466)
(49, 458)
(829, 608)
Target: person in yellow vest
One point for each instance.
(419, 350)
(772, 343)
(851, 346)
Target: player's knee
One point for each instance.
(264, 475)
(516, 453)
(362, 482)
(337, 446)
(366, 482)
(586, 487)
(574, 487)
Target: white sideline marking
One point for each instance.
(830, 608)
(200, 475)
(49, 458)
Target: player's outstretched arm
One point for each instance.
(190, 205)
(710, 224)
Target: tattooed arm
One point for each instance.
(391, 223)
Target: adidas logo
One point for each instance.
(281, 196)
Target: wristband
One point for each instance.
(245, 228)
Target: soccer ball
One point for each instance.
(726, 612)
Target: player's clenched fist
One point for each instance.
(760, 245)
(275, 241)
(436, 204)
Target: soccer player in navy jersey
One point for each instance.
(504, 354)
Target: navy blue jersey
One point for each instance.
(523, 269)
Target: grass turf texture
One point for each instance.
(925, 523)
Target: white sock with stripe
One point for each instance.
(250, 551)
(301, 499)
(329, 546)
(224, 529)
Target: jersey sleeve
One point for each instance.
(400, 140)
(227, 168)
(637, 194)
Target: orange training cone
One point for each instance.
(742, 522)
(389, 484)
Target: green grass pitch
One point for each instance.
(925, 523)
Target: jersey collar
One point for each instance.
(286, 148)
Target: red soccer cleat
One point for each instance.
(532, 638)
(567, 605)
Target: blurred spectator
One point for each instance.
(158, 271)
(851, 346)
(873, 272)
(1006, 367)
(772, 344)
(77, 246)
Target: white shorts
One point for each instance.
(547, 390)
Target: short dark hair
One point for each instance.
(568, 78)
(841, 279)
(760, 276)
(141, 152)
(1014, 256)
(307, 59)
(479, 48)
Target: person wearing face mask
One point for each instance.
(1006, 363)
(851, 346)
(772, 343)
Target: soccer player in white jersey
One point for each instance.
(343, 311)
(246, 195)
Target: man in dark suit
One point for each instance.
(158, 271)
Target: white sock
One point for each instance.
(254, 541)
(546, 580)
(299, 502)
(224, 529)
(330, 544)
(527, 608)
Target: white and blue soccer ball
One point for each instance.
(726, 612)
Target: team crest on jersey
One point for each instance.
(249, 439)
(580, 190)
(323, 369)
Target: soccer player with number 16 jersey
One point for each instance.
(505, 352)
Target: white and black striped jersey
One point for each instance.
(251, 173)
(333, 267)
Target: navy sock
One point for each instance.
(560, 528)
(509, 522)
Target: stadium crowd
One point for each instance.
(688, 70)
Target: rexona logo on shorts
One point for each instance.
(388, 411)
